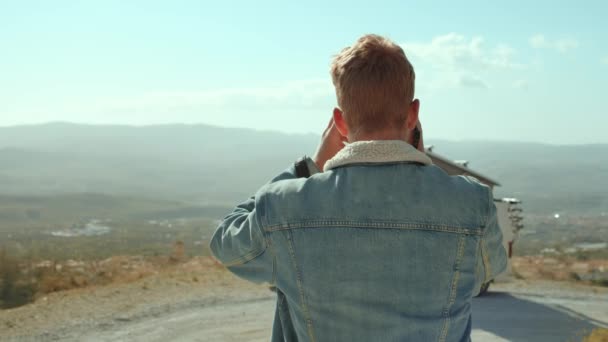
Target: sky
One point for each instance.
(519, 70)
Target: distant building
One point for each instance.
(591, 246)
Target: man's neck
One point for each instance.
(392, 135)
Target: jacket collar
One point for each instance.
(377, 151)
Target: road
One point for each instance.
(498, 316)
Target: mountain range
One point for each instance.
(220, 166)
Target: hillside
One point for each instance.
(213, 165)
(96, 195)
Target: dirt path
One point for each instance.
(222, 308)
(541, 313)
(240, 321)
(70, 315)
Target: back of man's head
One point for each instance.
(374, 84)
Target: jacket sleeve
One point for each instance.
(492, 257)
(240, 242)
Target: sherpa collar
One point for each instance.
(377, 151)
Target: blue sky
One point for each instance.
(528, 71)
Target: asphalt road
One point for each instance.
(498, 316)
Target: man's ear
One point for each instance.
(412, 115)
(340, 122)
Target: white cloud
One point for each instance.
(562, 45)
(453, 60)
(566, 44)
(457, 62)
(538, 41)
(453, 51)
(469, 81)
(301, 94)
(291, 106)
(521, 84)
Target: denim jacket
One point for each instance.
(381, 246)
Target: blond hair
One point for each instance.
(374, 84)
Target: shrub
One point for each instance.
(600, 282)
(15, 289)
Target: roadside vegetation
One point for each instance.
(57, 243)
(65, 242)
(597, 335)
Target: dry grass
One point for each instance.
(114, 270)
(22, 282)
(598, 335)
(559, 268)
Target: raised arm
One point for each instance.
(240, 242)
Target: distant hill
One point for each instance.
(550, 178)
(213, 165)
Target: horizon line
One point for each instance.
(167, 124)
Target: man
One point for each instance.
(380, 246)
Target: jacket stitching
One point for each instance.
(356, 224)
(274, 261)
(300, 287)
(486, 261)
(484, 249)
(244, 258)
(453, 289)
(262, 218)
(478, 259)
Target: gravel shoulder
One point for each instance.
(69, 315)
(216, 306)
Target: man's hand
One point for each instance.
(331, 143)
